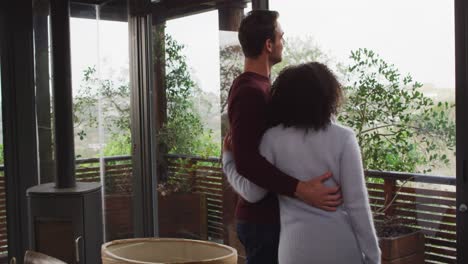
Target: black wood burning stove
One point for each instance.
(66, 223)
(65, 217)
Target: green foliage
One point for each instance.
(232, 65)
(296, 50)
(183, 133)
(302, 50)
(1, 155)
(205, 145)
(397, 126)
(119, 144)
(111, 98)
(179, 184)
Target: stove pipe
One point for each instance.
(62, 94)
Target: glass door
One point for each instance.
(397, 67)
(101, 96)
(101, 105)
(186, 56)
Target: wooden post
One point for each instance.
(139, 7)
(389, 194)
(230, 15)
(192, 171)
(260, 5)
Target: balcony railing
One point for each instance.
(3, 220)
(116, 174)
(424, 202)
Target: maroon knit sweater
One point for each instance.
(247, 108)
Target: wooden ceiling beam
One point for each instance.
(171, 9)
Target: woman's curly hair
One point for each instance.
(305, 96)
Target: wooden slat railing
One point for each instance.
(208, 179)
(116, 172)
(423, 202)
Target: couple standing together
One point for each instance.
(299, 174)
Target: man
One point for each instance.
(261, 38)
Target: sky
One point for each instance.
(415, 35)
(200, 35)
(102, 44)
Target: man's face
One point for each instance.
(276, 54)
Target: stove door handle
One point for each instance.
(77, 248)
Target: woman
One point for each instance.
(304, 140)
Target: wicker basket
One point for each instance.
(167, 251)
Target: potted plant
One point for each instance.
(182, 211)
(398, 242)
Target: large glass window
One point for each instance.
(396, 62)
(101, 95)
(189, 189)
(404, 40)
(101, 106)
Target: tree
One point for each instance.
(296, 50)
(110, 99)
(397, 126)
(305, 49)
(231, 66)
(183, 133)
(183, 125)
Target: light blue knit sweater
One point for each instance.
(308, 234)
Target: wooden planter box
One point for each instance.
(405, 249)
(183, 215)
(119, 216)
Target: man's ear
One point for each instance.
(269, 45)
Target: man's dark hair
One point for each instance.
(255, 29)
(305, 96)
